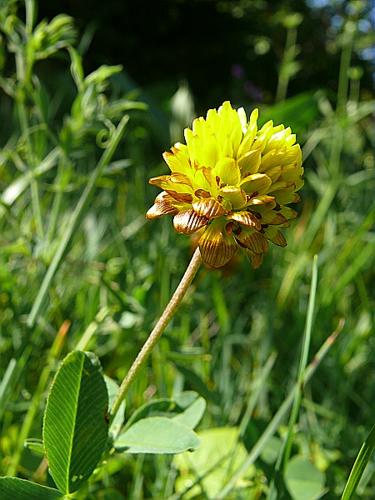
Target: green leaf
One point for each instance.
(75, 429)
(192, 415)
(271, 450)
(172, 408)
(76, 67)
(304, 481)
(155, 407)
(102, 74)
(220, 452)
(13, 488)
(185, 398)
(157, 435)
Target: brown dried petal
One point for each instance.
(255, 258)
(188, 222)
(216, 247)
(175, 182)
(279, 239)
(201, 193)
(162, 206)
(181, 197)
(273, 218)
(253, 241)
(208, 207)
(176, 177)
(246, 218)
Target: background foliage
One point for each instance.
(237, 339)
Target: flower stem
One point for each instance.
(158, 329)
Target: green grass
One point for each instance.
(80, 268)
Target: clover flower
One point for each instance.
(231, 181)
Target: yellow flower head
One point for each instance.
(232, 181)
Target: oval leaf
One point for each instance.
(192, 415)
(304, 481)
(75, 429)
(154, 408)
(13, 488)
(157, 435)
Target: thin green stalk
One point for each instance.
(55, 212)
(287, 446)
(303, 361)
(6, 384)
(57, 200)
(159, 328)
(24, 64)
(343, 84)
(92, 329)
(256, 391)
(75, 219)
(199, 478)
(279, 415)
(35, 199)
(359, 466)
(288, 56)
(30, 15)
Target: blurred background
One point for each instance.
(226, 49)
(308, 64)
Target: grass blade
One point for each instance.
(75, 219)
(287, 447)
(6, 384)
(280, 414)
(303, 360)
(359, 466)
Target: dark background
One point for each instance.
(213, 45)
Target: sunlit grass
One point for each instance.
(81, 268)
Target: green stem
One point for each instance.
(60, 183)
(303, 362)
(24, 65)
(343, 84)
(30, 15)
(35, 199)
(289, 53)
(157, 331)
